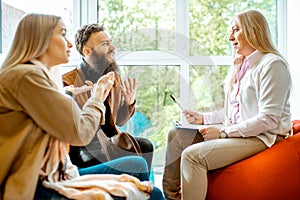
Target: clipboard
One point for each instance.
(178, 124)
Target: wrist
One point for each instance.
(201, 121)
(222, 133)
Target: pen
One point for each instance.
(173, 98)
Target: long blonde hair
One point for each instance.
(31, 40)
(257, 33)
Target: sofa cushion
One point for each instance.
(270, 174)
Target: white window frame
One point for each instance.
(179, 57)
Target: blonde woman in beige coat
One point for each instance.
(38, 121)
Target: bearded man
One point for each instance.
(98, 53)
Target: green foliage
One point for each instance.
(209, 20)
(154, 87)
(133, 21)
(207, 86)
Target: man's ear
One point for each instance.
(86, 51)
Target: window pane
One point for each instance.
(139, 24)
(207, 87)
(209, 20)
(154, 108)
(13, 10)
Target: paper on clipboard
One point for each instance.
(195, 126)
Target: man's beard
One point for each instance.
(100, 65)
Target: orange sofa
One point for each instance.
(273, 174)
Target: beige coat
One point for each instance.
(32, 111)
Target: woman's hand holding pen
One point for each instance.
(193, 117)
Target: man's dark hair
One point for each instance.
(84, 33)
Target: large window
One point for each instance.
(174, 47)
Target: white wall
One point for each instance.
(293, 52)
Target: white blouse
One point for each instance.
(263, 99)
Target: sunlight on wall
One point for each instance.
(293, 44)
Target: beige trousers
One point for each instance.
(178, 140)
(199, 158)
(195, 157)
